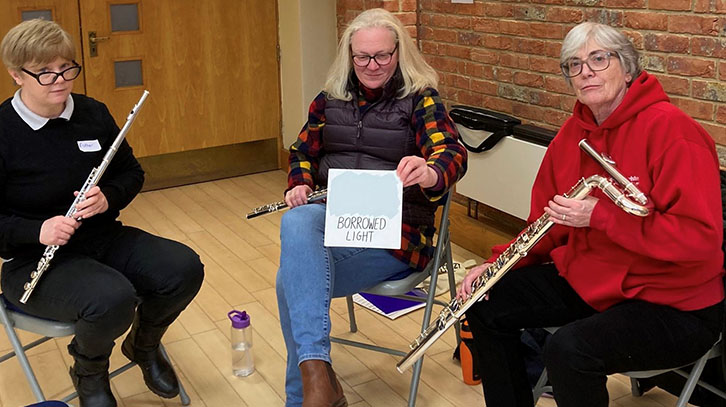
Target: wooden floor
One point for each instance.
(241, 260)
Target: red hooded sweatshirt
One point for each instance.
(672, 256)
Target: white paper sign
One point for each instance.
(364, 209)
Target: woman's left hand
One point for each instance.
(414, 170)
(94, 204)
(571, 212)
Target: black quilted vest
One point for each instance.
(375, 141)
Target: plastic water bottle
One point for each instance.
(243, 364)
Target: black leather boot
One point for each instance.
(90, 378)
(142, 347)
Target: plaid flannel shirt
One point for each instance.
(436, 137)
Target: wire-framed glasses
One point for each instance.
(381, 59)
(47, 78)
(596, 61)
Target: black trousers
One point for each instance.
(100, 287)
(633, 335)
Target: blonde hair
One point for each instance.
(604, 35)
(36, 42)
(416, 73)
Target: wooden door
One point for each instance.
(63, 12)
(210, 66)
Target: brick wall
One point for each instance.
(504, 55)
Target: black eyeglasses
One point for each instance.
(48, 78)
(382, 59)
(596, 61)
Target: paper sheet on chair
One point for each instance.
(364, 209)
(388, 306)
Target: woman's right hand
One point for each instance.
(464, 290)
(298, 196)
(57, 230)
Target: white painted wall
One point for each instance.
(308, 41)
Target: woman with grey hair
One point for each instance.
(630, 293)
(379, 110)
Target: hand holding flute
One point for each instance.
(302, 194)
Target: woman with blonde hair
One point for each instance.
(379, 110)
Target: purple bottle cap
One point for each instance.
(240, 319)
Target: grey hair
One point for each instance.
(609, 38)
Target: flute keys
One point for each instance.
(27, 286)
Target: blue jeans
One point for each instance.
(309, 276)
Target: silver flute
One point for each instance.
(631, 201)
(278, 206)
(91, 182)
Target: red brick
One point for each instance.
(635, 37)
(463, 23)
(612, 18)
(471, 69)
(498, 42)
(646, 21)
(436, 20)
(469, 38)
(552, 49)
(715, 91)
(430, 47)
(674, 85)
(455, 51)
(373, 4)
(545, 65)
(557, 84)
(442, 64)
(485, 87)
(568, 103)
(408, 5)
(485, 56)
(406, 18)
(497, 9)
(624, 3)
(503, 74)
(528, 79)
(546, 99)
(556, 118)
(691, 24)
(498, 104)
(691, 67)
(546, 30)
(391, 6)
(439, 34)
(461, 82)
(469, 98)
(514, 61)
(528, 111)
(487, 25)
(412, 31)
(709, 47)
(710, 6)
(721, 114)
(527, 46)
(350, 4)
(564, 15)
(717, 132)
(530, 13)
(511, 27)
(679, 5)
(722, 70)
(556, 2)
(667, 43)
(697, 109)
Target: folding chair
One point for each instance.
(692, 377)
(12, 318)
(398, 289)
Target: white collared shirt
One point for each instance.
(36, 121)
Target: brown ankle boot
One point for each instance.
(320, 386)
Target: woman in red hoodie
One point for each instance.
(631, 293)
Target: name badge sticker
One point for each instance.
(89, 146)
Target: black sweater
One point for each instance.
(40, 170)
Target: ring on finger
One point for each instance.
(564, 218)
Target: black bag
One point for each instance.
(481, 129)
